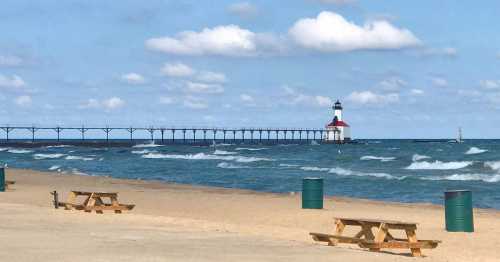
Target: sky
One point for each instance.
(402, 69)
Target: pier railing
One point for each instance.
(166, 134)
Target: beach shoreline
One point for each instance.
(245, 216)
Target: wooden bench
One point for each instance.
(94, 202)
(382, 238)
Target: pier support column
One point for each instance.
(234, 135)
(194, 135)
(184, 136)
(162, 131)
(131, 131)
(260, 136)
(33, 130)
(7, 131)
(204, 135)
(107, 130)
(224, 136)
(214, 131)
(243, 135)
(173, 136)
(58, 131)
(251, 136)
(151, 131)
(83, 130)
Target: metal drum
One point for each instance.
(458, 211)
(312, 193)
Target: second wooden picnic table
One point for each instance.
(94, 202)
(381, 239)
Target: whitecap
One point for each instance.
(58, 146)
(466, 177)
(417, 157)
(140, 152)
(438, 165)
(475, 150)
(146, 145)
(346, 172)
(289, 165)
(495, 165)
(47, 156)
(3, 149)
(381, 158)
(251, 148)
(78, 172)
(19, 151)
(52, 168)
(203, 156)
(222, 152)
(79, 158)
(313, 168)
(229, 165)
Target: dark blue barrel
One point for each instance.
(312, 193)
(458, 211)
(2, 179)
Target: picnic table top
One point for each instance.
(97, 194)
(375, 221)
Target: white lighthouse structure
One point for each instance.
(337, 131)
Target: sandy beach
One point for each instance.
(193, 223)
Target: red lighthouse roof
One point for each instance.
(337, 124)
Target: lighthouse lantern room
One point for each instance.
(337, 131)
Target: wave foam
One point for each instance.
(3, 149)
(495, 165)
(438, 165)
(47, 156)
(146, 145)
(203, 156)
(79, 158)
(222, 152)
(467, 177)
(475, 150)
(140, 152)
(313, 168)
(346, 172)
(52, 168)
(58, 146)
(381, 158)
(229, 165)
(417, 157)
(251, 149)
(289, 165)
(19, 151)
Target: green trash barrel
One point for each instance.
(458, 211)
(2, 179)
(312, 193)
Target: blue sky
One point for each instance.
(402, 69)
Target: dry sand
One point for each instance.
(190, 223)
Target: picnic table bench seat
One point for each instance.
(9, 183)
(382, 238)
(93, 202)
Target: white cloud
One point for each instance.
(246, 98)
(177, 70)
(23, 101)
(133, 78)
(9, 60)
(294, 97)
(194, 103)
(369, 97)
(113, 103)
(330, 32)
(13, 81)
(194, 87)
(392, 84)
(228, 40)
(166, 100)
(212, 77)
(439, 82)
(417, 92)
(107, 104)
(243, 9)
(490, 84)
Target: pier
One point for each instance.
(160, 135)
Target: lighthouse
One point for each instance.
(337, 131)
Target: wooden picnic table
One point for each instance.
(382, 238)
(8, 183)
(94, 202)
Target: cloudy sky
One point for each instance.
(402, 69)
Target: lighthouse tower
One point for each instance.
(337, 131)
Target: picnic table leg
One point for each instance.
(366, 230)
(71, 201)
(339, 229)
(99, 202)
(412, 238)
(380, 237)
(90, 202)
(115, 203)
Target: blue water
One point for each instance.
(391, 170)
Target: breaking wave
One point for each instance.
(79, 158)
(58, 146)
(222, 152)
(3, 149)
(251, 149)
(289, 165)
(467, 177)
(229, 165)
(381, 158)
(52, 168)
(140, 152)
(146, 145)
(346, 172)
(19, 151)
(495, 165)
(475, 150)
(203, 156)
(417, 157)
(47, 156)
(438, 165)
